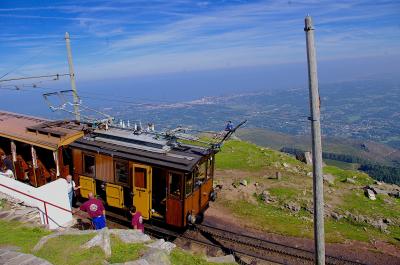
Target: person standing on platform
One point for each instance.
(137, 219)
(94, 207)
(71, 188)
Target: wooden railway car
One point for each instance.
(166, 181)
(36, 146)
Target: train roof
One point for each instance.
(38, 131)
(146, 147)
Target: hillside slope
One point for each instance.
(284, 205)
(367, 150)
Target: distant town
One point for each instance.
(366, 110)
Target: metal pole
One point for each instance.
(318, 188)
(72, 77)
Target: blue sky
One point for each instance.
(137, 42)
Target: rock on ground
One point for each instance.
(370, 194)
(295, 207)
(350, 180)
(18, 211)
(44, 239)
(243, 182)
(330, 179)
(102, 240)
(135, 262)
(161, 244)
(336, 216)
(222, 259)
(9, 257)
(157, 257)
(130, 235)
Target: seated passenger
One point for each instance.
(137, 219)
(23, 168)
(7, 172)
(7, 162)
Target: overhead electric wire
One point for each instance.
(33, 77)
(35, 89)
(27, 61)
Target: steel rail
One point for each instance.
(270, 245)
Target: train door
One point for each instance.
(141, 176)
(159, 192)
(174, 199)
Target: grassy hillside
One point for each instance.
(65, 250)
(366, 150)
(289, 210)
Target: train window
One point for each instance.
(122, 171)
(188, 184)
(89, 165)
(140, 177)
(175, 184)
(200, 175)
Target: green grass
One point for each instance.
(246, 156)
(271, 218)
(180, 257)
(339, 231)
(122, 252)
(358, 203)
(65, 250)
(341, 164)
(285, 194)
(342, 175)
(20, 235)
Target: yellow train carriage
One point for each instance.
(163, 180)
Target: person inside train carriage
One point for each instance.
(7, 172)
(7, 162)
(71, 188)
(137, 219)
(95, 208)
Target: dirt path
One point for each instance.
(378, 253)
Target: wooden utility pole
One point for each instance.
(72, 77)
(318, 182)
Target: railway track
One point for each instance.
(265, 249)
(246, 249)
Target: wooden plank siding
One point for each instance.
(77, 160)
(77, 169)
(174, 212)
(104, 168)
(196, 201)
(205, 192)
(188, 207)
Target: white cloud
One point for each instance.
(132, 38)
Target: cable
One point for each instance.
(286, 120)
(28, 60)
(34, 77)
